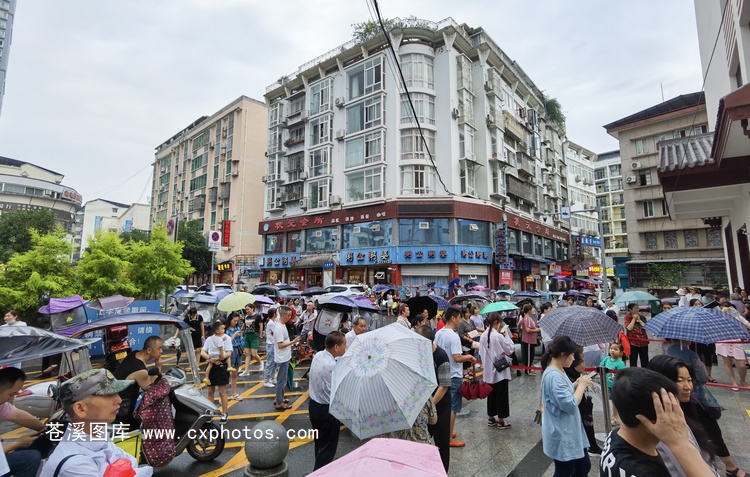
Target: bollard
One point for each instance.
(266, 449)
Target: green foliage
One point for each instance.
(554, 112)
(195, 250)
(666, 274)
(135, 236)
(15, 234)
(31, 278)
(103, 270)
(158, 266)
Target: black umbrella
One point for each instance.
(430, 284)
(312, 291)
(467, 296)
(418, 304)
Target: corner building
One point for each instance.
(351, 193)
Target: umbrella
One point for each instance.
(585, 292)
(21, 343)
(635, 296)
(263, 299)
(471, 284)
(505, 292)
(380, 288)
(584, 325)
(59, 305)
(467, 296)
(235, 301)
(498, 306)
(344, 303)
(441, 287)
(442, 303)
(207, 298)
(702, 325)
(430, 284)
(528, 294)
(391, 457)
(382, 382)
(419, 303)
(312, 291)
(178, 293)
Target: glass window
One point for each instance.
(274, 243)
(537, 245)
(318, 193)
(368, 234)
(640, 146)
(423, 232)
(424, 105)
(364, 184)
(466, 143)
(468, 178)
(648, 208)
(320, 97)
(549, 249)
(365, 77)
(412, 146)
(320, 130)
(296, 105)
(614, 170)
(418, 70)
(526, 244)
(296, 242)
(670, 239)
(199, 182)
(713, 237)
(323, 239)
(320, 164)
(651, 241)
(364, 115)
(691, 238)
(417, 180)
(364, 150)
(473, 232)
(645, 177)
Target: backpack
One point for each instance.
(155, 412)
(625, 342)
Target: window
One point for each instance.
(412, 146)
(702, 129)
(424, 104)
(272, 168)
(270, 197)
(498, 178)
(537, 245)
(198, 183)
(526, 245)
(319, 240)
(320, 164)
(651, 241)
(418, 70)
(670, 239)
(713, 237)
(296, 136)
(664, 210)
(296, 242)
(417, 180)
(199, 161)
(368, 234)
(423, 232)
(320, 130)
(549, 249)
(473, 232)
(364, 150)
(600, 173)
(296, 105)
(466, 143)
(295, 165)
(318, 193)
(645, 177)
(512, 238)
(463, 67)
(659, 138)
(648, 209)
(274, 243)
(364, 184)
(691, 238)
(678, 134)
(320, 97)
(468, 178)
(640, 146)
(365, 77)
(364, 115)
(275, 114)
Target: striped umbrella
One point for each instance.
(702, 325)
(584, 325)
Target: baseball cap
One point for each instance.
(95, 382)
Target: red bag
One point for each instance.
(474, 389)
(625, 342)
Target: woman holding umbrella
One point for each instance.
(495, 345)
(705, 351)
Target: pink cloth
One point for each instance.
(6, 410)
(529, 338)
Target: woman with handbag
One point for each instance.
(529, 337)
(495, 347)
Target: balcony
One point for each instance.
(521, 190)
(494, 120)
(212, 193)
(525, 165)
(224, 192)
(513, 127)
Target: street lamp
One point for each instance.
(598, 211)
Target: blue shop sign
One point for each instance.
(407, 255)
(368, 256)
(137, 333)
(591, 241)
(329, 265)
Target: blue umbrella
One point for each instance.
(178, 293)
(702, 325)
(635, 296)
(441, 287)
(442, 303)
(380, 288)
(584, 325)
(528, 294)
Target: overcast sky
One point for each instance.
(93, 86)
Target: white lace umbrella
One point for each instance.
(382, 382)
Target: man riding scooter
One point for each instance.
(134, 368)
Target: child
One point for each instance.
(215, 345)
(613, 361)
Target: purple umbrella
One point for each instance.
(442, 303)
(263, 299)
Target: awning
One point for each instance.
(316, 261)
(732, 132)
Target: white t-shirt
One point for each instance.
(214, 343)
(448, 339)
(269, 332)
(281, 334)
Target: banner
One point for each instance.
(172, 228)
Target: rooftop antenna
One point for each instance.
(662, 91)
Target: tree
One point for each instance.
(195, 249)
(15, 235)
(31, 278)
(103, 270)
(157, 267)
(554, 112)
(135, 236)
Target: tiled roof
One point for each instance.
(694, 151)
(675, 104)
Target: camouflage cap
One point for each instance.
(95, 382)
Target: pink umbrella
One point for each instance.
(391, 457)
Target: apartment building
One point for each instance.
(688, 246)
(352, 193)
(211, 172)
(610, 196)
(7, 13)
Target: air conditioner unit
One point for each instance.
(335, 200)
(473, 227)
(490, 119)
(579, 178)
(303, 115)
(356, 229)
(235, 173)
(488, 86)
(636, 165)
(303, 203)
(340, 134)
(631, 180)
(520, 201)
(455, 112)
(339, 102)
(318, 233)
(264, 179)
(375, 228)
(211, 144)
(424, 226)
(186, 196)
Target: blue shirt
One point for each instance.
(563, 435)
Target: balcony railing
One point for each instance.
(513, 127)
(525, 165)
(521, 190)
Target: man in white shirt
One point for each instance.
(91, 401)
(359, 326)
(268, 375)
(282, 354)
(449, 341)
(307, 318)
(321, 372)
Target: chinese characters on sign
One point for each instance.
(226, 233)
(501, 243)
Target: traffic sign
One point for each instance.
(564, 213)
(214, 241)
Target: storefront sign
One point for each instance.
(226, 233)
(247, 271)
(577, 246)
(520, 223)
(224, 267)
(506, 277)
(501, 243)
(336, 217)
(405, 255)
(591, 241)
(329, 265)
(535, 269)
(279, 260)
(543, 269)
(595, 270)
